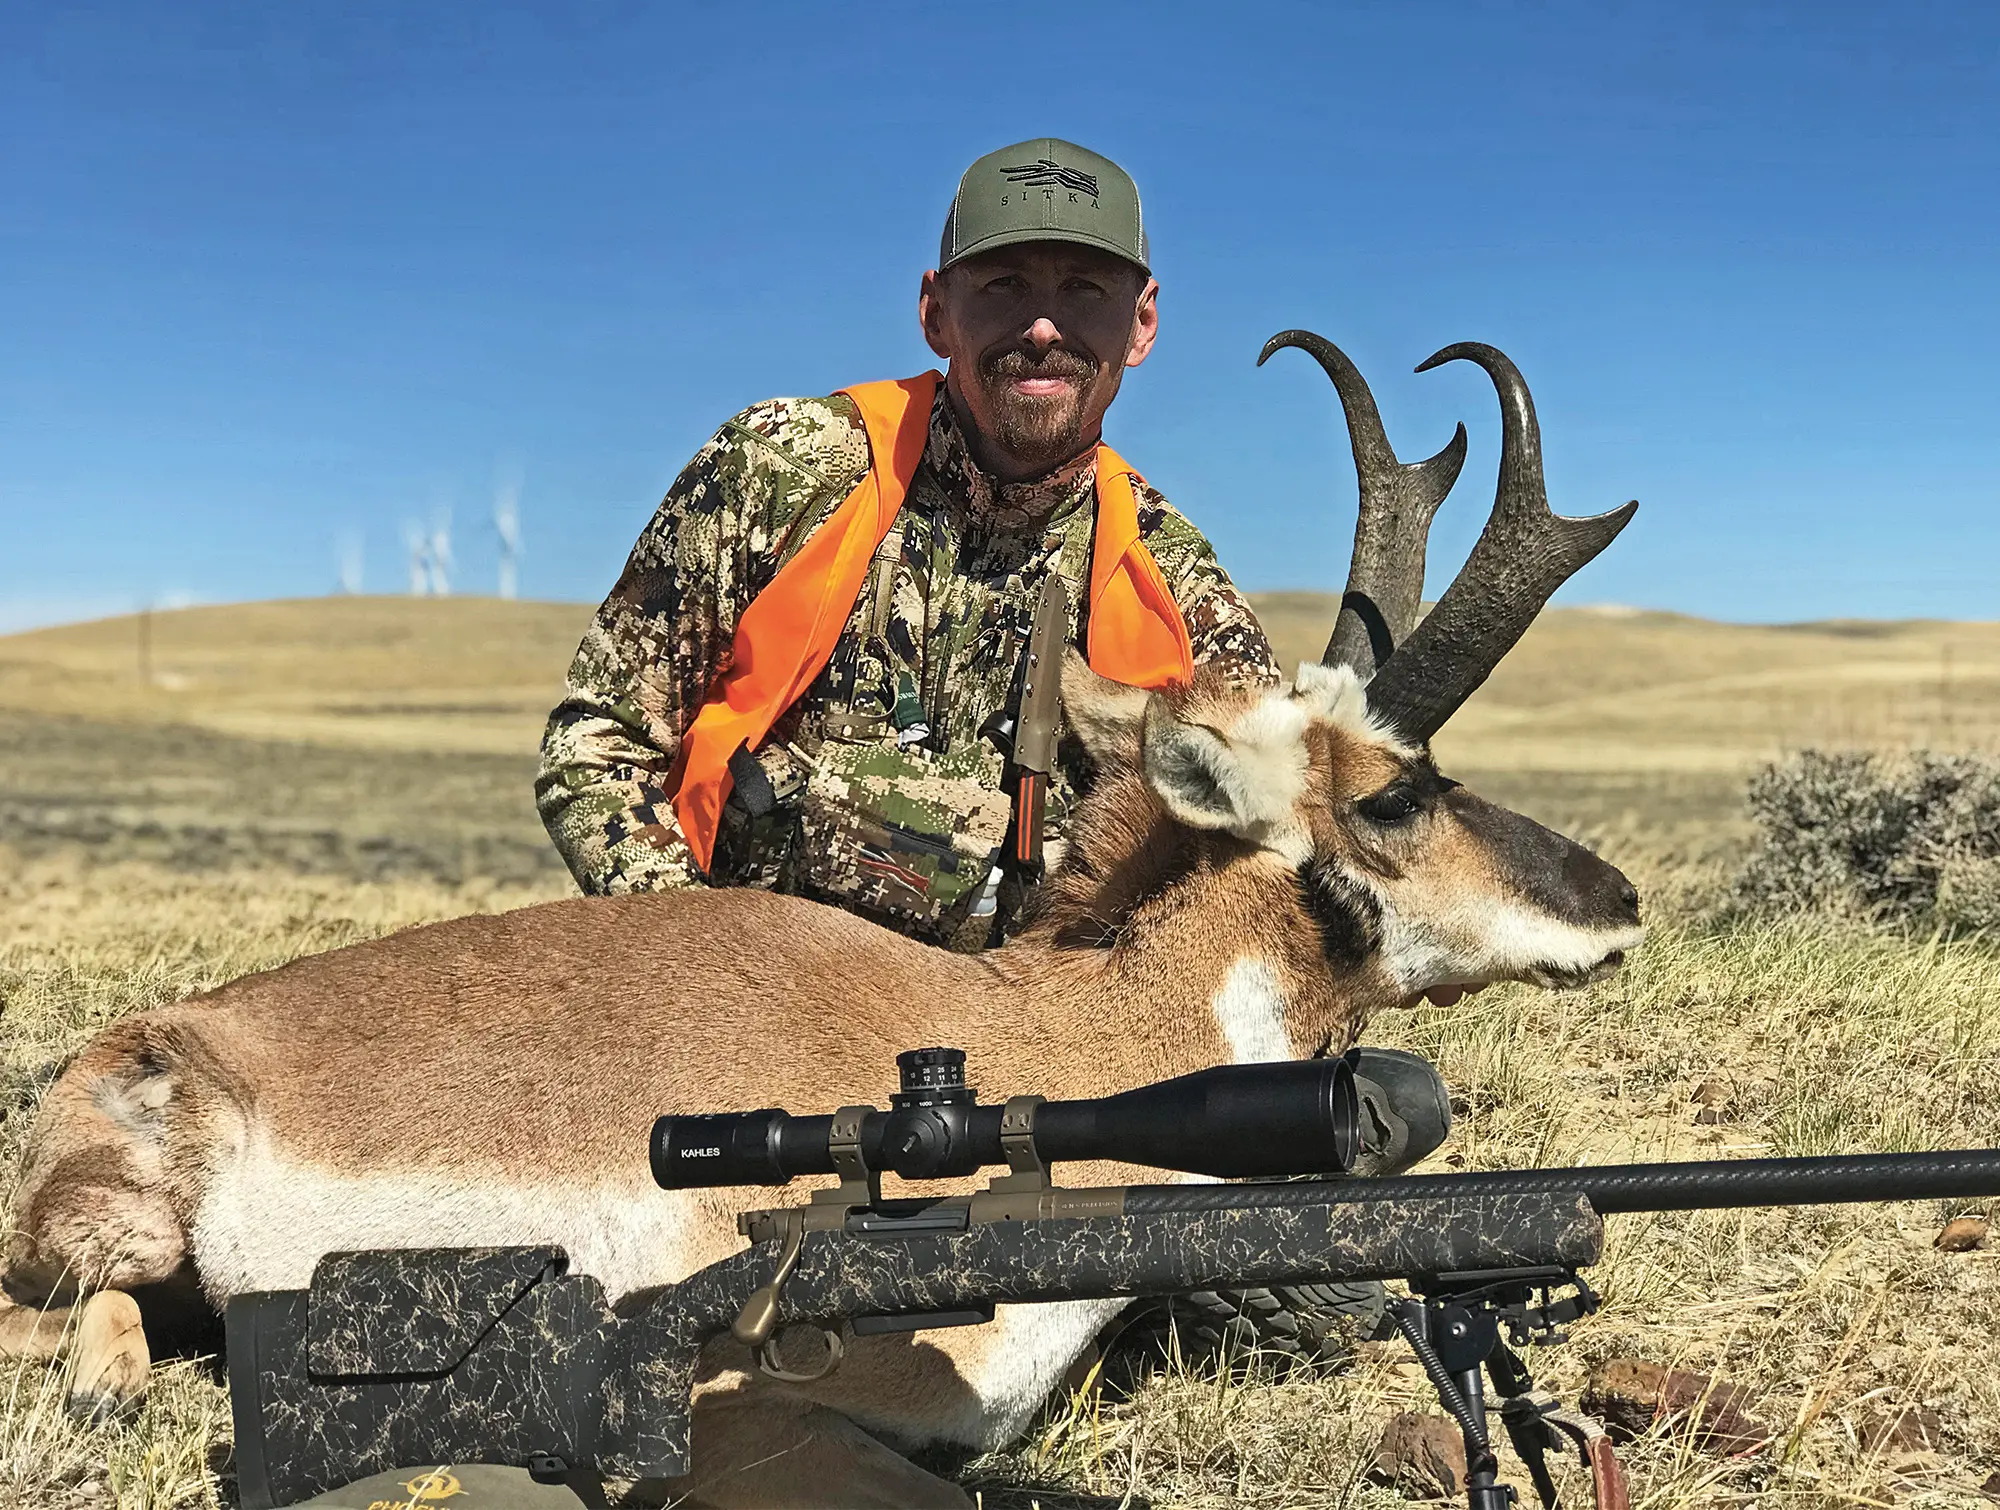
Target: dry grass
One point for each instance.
(1614, 691)
(181, 844)
(1588, 689)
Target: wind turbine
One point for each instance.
(441, 555)
(507, 525)
(350, 562)
(419, 542)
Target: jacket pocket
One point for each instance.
(887, 832)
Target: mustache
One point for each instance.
(1056, 362)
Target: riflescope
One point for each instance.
(1237, 1121)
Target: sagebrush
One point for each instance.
(1910, 838)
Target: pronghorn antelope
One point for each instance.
(1252, 875)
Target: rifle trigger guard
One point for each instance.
(768, 1362)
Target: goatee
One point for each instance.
(1040, 431)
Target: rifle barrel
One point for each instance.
(1702, 1185)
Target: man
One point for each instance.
(708, 737)
(878, 787)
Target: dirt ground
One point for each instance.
(238, 786)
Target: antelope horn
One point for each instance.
(1522, 556)
(1385, 583)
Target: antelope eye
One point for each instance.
(1396, 804)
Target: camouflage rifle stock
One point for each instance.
(502, 1355)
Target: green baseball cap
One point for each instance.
(1044, 190)
(472, 1486)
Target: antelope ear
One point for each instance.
(1106, 715)
(1247, 781)
(1193, 771)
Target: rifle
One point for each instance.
(503, 1355)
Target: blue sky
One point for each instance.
(272, 276)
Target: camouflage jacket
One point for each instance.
(889, 799)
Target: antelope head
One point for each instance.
(1409, 884)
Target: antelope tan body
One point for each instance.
(1253, 875)
(491, 1080)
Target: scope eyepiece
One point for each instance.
(1236, 1121)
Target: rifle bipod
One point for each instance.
(1454, 1323)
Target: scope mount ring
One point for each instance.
(1026, 1168)
(859, 1185)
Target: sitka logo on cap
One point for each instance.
(1044, 173)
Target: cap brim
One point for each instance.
(1014, 236)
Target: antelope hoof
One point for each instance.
(112, 1360)
(97, 1407)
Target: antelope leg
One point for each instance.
(33, 1332)
(112, 1363)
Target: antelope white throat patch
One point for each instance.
(1250, 1010)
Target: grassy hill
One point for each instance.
(368, 737)
(459, 674)
(1613, 689)
(1588, 689)
(394, 735)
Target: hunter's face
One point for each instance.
(1038, 337)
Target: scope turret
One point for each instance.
(1236, 1121)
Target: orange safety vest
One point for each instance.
(788, 633)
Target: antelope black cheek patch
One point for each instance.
(1347, 915)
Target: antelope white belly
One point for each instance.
(267, 1218)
